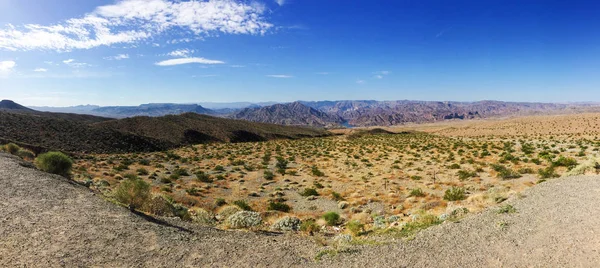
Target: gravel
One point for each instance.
(48, 221)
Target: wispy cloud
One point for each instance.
(132, 21)
(237, 66)
(180, 61)
(118, 57)
(280, 2)
(182, 53)
(380, 74)
(279, 76)
(40, 70)
(73, 63)
(360, 81)
(6, 67)
(323, 73)
(206, 75)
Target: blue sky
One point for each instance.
(105, 52)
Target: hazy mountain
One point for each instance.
(234, 105)
(151, 109)
(79, 109)
(294, 113)
(386, 113)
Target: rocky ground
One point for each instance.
(48, 221)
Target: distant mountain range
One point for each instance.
(329, 114)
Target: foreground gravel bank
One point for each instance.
(47, 221)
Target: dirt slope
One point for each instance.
(46, 222)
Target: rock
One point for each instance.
(310, 198)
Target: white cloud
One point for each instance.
(181, 53)
(360, 81)
(172, 62)
(379, 76)
(279, 76)
(280, 2)
(74, 64)
(118, 57)
(237, 66)
(40, 70)
(131, 21)
(7, 66)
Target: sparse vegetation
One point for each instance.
(55, 163)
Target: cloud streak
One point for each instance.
(180, 61)
(118, 57)
(132, 21)
(279, 76)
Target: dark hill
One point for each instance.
(193, 128)
(11, 105)
(42, 131)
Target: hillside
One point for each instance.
(193, 128)
(294, 113)
(92, 134)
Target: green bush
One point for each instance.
(279, 206)
(547, 173)
(55, 163)
(309, 192)
(331, 218)
(203, 177)
(25, 154)
(355, 227)
(455, 194)
(12, 148)
(309, 226)
(417, 192)
(133, 193)
(242, 204)
(465, 174)
(268, 175)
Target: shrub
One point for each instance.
(331, 218)
(268, 175)
(562, 161)
(203, 177)
(526, 170)
(279, 206)
(142, 171)
(243, 219)
(55, 163)
(309, 226)
(507, 209)
(202, 216)
(455, 194)
(287, 224)
(337, 196)
(12, 148)
(465, 174)
(454, 166)
(25, 154)
(547, 173)
(133, 193)
(315, 171)
(220, 202)
(505, 173)
(417, 192)
(227, 211)
(160, 206)
(309, 192)
(355, 227)
(242, 204)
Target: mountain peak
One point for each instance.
(11, 105)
